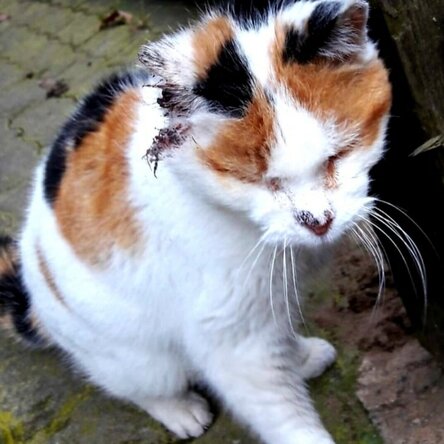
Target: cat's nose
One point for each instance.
(318, 227)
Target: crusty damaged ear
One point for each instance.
(334, 30)
(170, 59)
(202, 66)
(187, 56)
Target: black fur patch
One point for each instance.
(14, 299)
(86, 119)
(250, 12)
(303, 46)
(228, 85)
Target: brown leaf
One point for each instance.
(115, 18)
(54, 87)
(432, 144)
(4, 17)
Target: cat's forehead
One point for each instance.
(317, 52)
(303, 73)
(296, 31)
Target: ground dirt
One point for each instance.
(384, 386)
(398, 382)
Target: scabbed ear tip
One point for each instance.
(143, 54)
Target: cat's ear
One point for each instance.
(202, 66)
(170, 58)
(334, 30)
(186, 56)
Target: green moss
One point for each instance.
(62, 417)
(163, 436)
(341, 411)
(8, 222)
(335, 392)
(41, 406)
(11, 429)
(336, 401)
(225, 430)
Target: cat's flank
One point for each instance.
(183, 207)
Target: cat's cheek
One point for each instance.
(350, 211)
(220, 189)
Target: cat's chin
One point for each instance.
(305, 241)
(315, 242)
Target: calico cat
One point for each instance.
(186, 204)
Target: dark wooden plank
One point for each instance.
(411, 36)
(417, 27)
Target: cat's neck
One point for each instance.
(200, 224)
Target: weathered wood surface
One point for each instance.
(411, 35)
(417, 27)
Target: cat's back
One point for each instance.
(82, 224)
(82, 246)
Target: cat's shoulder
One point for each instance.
(106, 109)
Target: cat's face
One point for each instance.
(285, 115)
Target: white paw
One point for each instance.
(186, 417)
(321, 355)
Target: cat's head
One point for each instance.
(286, 113)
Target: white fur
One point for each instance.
(200, 302)
(250, 42)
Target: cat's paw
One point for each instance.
(321, 355)
(186, 417)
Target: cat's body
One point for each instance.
(154, 279)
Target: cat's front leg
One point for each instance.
(315, 355)
(263, 387)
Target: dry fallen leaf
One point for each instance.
(53, 87)
(432, 144)
(115, 18)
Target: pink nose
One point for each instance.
(319, 228)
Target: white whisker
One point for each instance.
(382, 223)
(416, 253)
(285, 283)
(251, 251)
(396, 246)
(271, 282)
(367, 231)
(408, 243)
(254, 263)
(373, 249)
(294, 277)
(404, 213)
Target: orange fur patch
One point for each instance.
(92, 206)
(242, 146)
(8, 260)
(50, 282)
(356, 96)
(208, 41)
